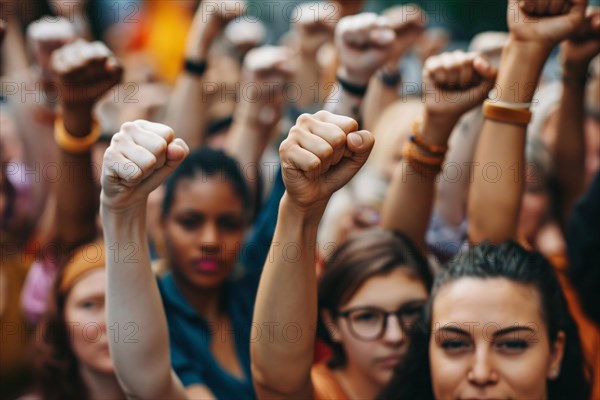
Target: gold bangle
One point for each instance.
(425, 166)
(417, 139)
(509, 115)
(74, 144)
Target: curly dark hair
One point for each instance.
(412, 379)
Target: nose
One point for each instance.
(393, 334)
(208, 237)
(482, 372)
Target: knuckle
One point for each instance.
(127, 128)
(303, 119)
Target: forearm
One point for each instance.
(133, 301)
(308, 76)
(287, 295)
(342, 102)
(496, 191)
(569, 149)
(379, 97)
(76, 192)
(408, 205)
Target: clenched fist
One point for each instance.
(44, 36)
(321, 154)
(364, 43)
(84, 71)
(455, 82)
(140, 157)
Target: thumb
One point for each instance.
(484, 68)
(177, 151)
(359, 145)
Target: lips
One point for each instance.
(208, 265)
(389, 361)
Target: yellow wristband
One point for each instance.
(74, 144)
(509, 115)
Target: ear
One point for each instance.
(332, 327)
(556, 356)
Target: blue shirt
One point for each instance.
(190, 334)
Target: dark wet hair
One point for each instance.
(208, 163)
(374, 252)
(412, 379)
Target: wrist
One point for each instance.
(300, 215)
(354, 77)
(436, 128)
(77, 119)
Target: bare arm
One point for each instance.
(494, 200)
(321, 154)
(186, 111)
(84, 72)
(140, 157)
(569, 149)
(455, 82)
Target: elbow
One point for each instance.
(277, 381)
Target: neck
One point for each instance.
(206, 302)
(101, 385)
(356, 384)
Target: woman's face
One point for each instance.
(489, 341)
(391, 292)
(86, 322)
(204, 230)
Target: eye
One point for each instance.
(190, 223)
(512, 346)
(366, 317)
(89, 304)
(456, 345)
(230, 224)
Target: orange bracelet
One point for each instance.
(423, 165)
(509, 115)
(418, 140)
(74, 144)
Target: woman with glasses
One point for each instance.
(370, 294)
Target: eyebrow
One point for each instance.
(499, 332)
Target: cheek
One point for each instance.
(446, 373)
(86, 329)
(525, 375)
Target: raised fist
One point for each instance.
(84, 71)
(364, 43)
(581, 47)
(244, 35)
(322, 152)
(46, 35)
(408, 22)
(544, 22)
(140, 157)
(265, 71)
(456, 82)
(314, 24)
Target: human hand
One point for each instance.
(364, 43)
(455, 82)
(314, 25)
(580, 48)
(408, 22)
(140, 157)
(44, 36)
(322, 152)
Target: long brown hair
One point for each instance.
(56, 368)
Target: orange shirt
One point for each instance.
(325, 385)
(589, 333)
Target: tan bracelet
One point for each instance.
(423, 165)
(509, 115)
(74, 144)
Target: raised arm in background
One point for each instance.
(321, 154)
(536, 27)
(364, 43)
(82, 72)
(139, 159)
(186, 111)
(408, 21)
(454, 83)
(260, 106)
(568, 153)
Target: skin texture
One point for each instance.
(205, 222)
(478, 364)
(85, 318)
(368, 366)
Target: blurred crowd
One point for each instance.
(349, 199)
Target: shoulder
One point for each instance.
(325, 384)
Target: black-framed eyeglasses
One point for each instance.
(370, 323)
